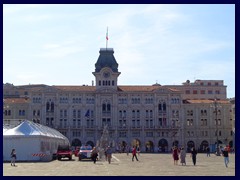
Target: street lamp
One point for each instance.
(216, 107)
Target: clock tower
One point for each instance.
(106, 70)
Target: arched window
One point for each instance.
(108, 107)
(74, 113)
(133, 114)
(48, 106)
(52, 106)
(164, 106)
(104, 107)
(159, 107)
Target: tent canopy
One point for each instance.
(28, 128)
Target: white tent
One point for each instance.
(32, 141)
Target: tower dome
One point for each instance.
(106, 59)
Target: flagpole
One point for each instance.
(107, 38)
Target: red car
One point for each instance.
(64, 151)
(76, 151)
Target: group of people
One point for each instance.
(108, 154)
(181, 153)
(176, 154)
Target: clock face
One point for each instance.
(106, 74)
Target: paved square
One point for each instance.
(122, 165)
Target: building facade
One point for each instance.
(154, 117)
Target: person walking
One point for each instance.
(226, 156)
(175, 155)
(183, 156)
(127, 149)
(94, 155)
(134, 153)
(138, 150)
(194, 155)
(13, 157)
(109, 154)
(208, 151)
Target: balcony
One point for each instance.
(149, 127)
(90, 127)
(136, 127)
(122, 127)
(106, 114)
(49, 113)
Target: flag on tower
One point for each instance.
(107, 34)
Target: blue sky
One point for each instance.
(168, 44)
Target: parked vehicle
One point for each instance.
(76, 151)
(85, 152)
(64, 151)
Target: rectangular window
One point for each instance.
(133, 123)
(187, 91)
(74, 123)
(202, 91)
(195, 91)
(136, 134)
(90, 134)
(210, 92)
(65, 123)
(138, 114)
(122, 134)
(149, 134)
(79, 123)
(138, 123)
(65, 113)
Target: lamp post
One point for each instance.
(216, 106)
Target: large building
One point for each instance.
(155, 117)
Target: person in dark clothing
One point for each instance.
(134, 153)
(109, 154)
(194, 155)
(13, 157)
(225, 155)
(94, 155)
(175, 155)
(208, 151)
